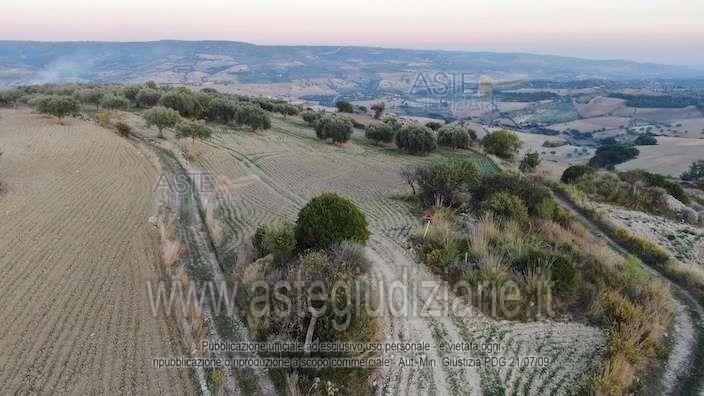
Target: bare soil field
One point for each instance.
(592, 124)
(667, 115)
(287, 165)
(671, 156)
(599, 106)
(554, 159)
(77, 251)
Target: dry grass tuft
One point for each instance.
(191, 150)
(171, 252)
(214, 226)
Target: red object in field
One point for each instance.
(428, 216)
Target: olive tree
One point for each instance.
(252, 115)
(91, 96)
(131, 91)
(147, 97)
(161, 117)
(221, 110)
(502, 143)
(183, 101)
(455, 136)
(382, 132)
(338, 129)
(378, 109)
(56, 105)
(10, 97)
(194, 130)
(415, 139)
(114, 102)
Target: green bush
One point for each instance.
(310, 116)
(344, 106)
(695, 173)
(10, 97)
(645, 140)
(446, 181)
(574, 172)
(612, 154)
(280, 240)
(562, 272)
(258, 241)
(329, 219)
(655, 180)
(123, 129)
(546, 209)
(443, 255)
(338, 129)
(502, 143)
(416, 140)
(533, 194)
(381, 132)
(529, 162)
(454, 136)
(505, 206)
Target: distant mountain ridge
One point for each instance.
(227, 62)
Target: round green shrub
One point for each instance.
(329, 219)
(574, 172)
(416, 139)
(505, 206)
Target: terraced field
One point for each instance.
(286, 166)
(77, 250)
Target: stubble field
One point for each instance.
(77, 251)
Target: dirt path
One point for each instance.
(76, 252)
(682, 374)
(200, 254)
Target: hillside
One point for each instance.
(227, 62)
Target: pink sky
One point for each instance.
(645, 30)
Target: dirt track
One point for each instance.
(76, 252)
